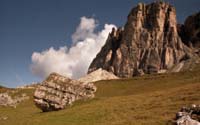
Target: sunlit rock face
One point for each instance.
(148, 43)
(57, 92)
(98, 75)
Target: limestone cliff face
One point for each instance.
(149, 43)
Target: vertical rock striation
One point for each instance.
(149, 43)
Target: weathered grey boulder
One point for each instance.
(57, 92)
(148, 43)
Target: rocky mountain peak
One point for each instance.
(148, 43)
(156, 16)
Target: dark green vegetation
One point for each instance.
(151, 100)
(3, 89)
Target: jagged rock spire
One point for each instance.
(149, 43)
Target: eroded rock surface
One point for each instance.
(57, 92)
(149, 43)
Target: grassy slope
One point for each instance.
(152, 100)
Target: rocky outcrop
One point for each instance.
(188, 115)
(98, 75)
(190, 31)
(57, 92)
(149, 43)
(7, 100)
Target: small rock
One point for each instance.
(3, 118)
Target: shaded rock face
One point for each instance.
(190, 31)
(149, 43)
(57, 92)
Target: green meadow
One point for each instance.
(147, 100)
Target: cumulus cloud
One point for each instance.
(85, 29)
(72, 62)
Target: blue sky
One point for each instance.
(28, 26)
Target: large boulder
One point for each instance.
(57, 92)
(149, 43)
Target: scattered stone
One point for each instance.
(58, 92)
(98, 75)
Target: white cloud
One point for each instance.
(72, 62)
(85, 29)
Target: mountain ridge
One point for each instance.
(148, 43)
